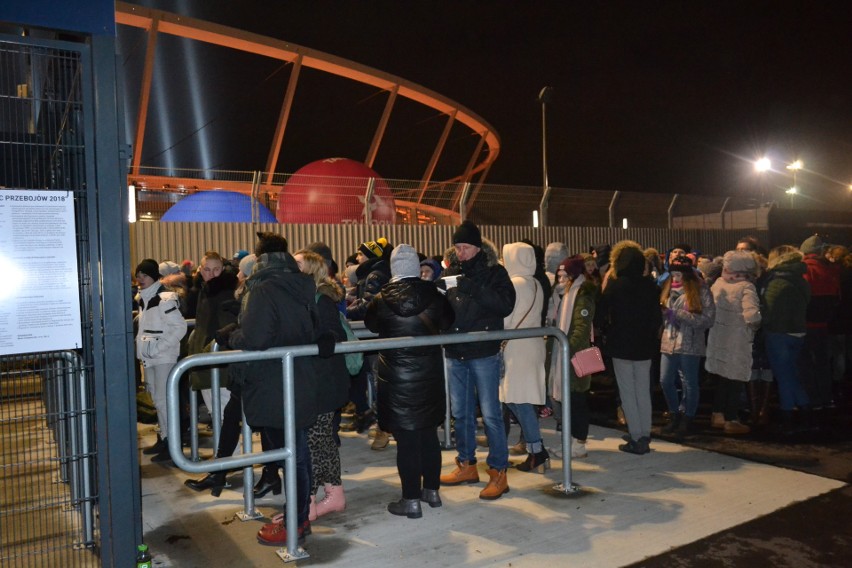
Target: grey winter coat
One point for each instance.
(685, 336)
(737, 318)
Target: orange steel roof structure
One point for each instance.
(156, 22)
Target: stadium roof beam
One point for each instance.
(199, 30)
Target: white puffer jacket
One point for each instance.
(161, 326)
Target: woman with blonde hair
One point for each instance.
(334, 393)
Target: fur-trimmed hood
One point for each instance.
(332, 289)
(789, 258)
(621, 261)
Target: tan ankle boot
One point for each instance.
(735, 427)
(381, 441)
(497, 485)
(465, 472)
(717, 420)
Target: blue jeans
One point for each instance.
(528, 419)
(472, 381)
(688, 365)
(783, 351)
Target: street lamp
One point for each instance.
(544, 97)
(761, 166)
(794, 167)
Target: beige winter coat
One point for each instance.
(737, 318)
(523, 379)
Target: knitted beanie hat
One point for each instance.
(374, 249)
(573, 266)
(812, 245)
(404, 262)
(168, 267)
(468, 233)
(149, 267)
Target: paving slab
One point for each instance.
(629, 508)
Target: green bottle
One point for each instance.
(143, 557)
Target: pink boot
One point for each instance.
(312, 509)
(333, 501)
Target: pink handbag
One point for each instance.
(587, 362)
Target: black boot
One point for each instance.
(269, 481)
(364, 420)
(538, 461)
(156, 448)
(163, 455)
(406, 508)
(685, 426)
(673, 425)
(214, 481)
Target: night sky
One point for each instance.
(648, 96)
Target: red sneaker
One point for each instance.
(276, 535)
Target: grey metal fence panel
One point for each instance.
(179, 241)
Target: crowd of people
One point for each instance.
(748, 317)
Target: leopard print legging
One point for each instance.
(325, 455)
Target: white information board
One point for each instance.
(40, 293)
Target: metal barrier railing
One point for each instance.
(68, 406)
(287, 454)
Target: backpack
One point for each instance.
(354, 361)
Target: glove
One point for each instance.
(325, 343)
(223, 335)
(670, 316)
(465, 285)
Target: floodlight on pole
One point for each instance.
(544, 97)
(763, 165)
(794, 167)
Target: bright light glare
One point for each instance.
(624, 223)
(535, 219)
(763, 165)
(797, 165)
(792, 191)
(131, 205)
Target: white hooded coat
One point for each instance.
(523, 379)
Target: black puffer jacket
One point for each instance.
(332, 374)
(480, 301)
(629, 309)
(411, 380)
(372, 275)
(278, 310)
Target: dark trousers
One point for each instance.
(815, 367)
(418, 460)
(358, 390)
(303, 467)
(229, 435)
(728, 397)
(580, 414)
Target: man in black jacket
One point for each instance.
(481, 294)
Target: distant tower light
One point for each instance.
(535, 218)
(624, 223)
(763, 165)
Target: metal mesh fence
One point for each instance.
(324, 199)
(48, 494)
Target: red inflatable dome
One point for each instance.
(332, 191)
